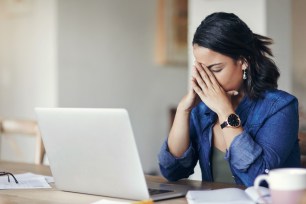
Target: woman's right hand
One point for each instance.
(190, 100)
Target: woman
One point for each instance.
(233, 120)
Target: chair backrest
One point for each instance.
(302, 142)
(27, 128)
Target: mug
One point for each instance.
(286, 185)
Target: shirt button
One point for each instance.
(267, 171)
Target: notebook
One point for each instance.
(93, 151)
(229, 196)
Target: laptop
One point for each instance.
(93, 151)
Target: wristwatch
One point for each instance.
(233, 120)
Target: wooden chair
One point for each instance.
(26, 128)
(302, 142)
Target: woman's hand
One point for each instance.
(190, 100)
(210, 92)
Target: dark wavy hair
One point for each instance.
(227, 34)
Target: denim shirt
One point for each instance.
(269, 140)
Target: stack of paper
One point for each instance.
(26, 181)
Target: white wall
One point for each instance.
(106, 59)
(28, 76)
(279, 28)
(299, 57)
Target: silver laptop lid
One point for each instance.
(92, 151)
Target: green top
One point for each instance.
(220, 167)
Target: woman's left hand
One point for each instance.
(210, 91)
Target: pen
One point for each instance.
(144, 202)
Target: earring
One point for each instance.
(244, 76)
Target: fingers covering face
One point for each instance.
(204, 74)
(198, 78)
(204, 77)
(197, 88)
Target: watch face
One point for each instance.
(233, 120)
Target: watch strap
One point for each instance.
(224, 124)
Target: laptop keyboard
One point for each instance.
(158, 191)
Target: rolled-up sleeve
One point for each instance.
(243, 151)
(174, 168)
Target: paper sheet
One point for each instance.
(25, 181)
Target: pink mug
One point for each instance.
(286, 185)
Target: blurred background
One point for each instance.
(132, 54)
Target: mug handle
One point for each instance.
(257, 181)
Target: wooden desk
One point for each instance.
(54, 196)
